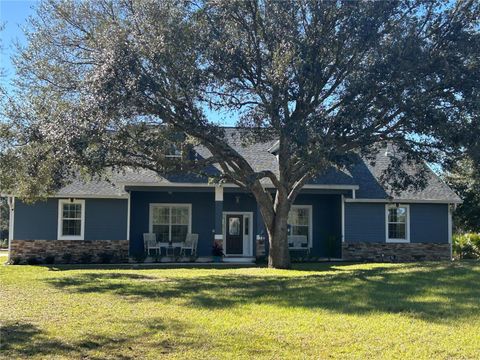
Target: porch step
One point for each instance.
(239, 259)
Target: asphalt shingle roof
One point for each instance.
(365, 175)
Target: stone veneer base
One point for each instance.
(79, 251)
(396, 252)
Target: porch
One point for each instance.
(230, 218)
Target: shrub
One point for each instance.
(106, 257)
(4, 243)
(33, 261)
(67, 258)
(16, 260)
(50, 259)
(217, 249)
(139, 257)
(85, 258)
(261, 260)
(466, 246)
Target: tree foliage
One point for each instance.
(104, 83)
(464, 178)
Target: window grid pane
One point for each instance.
(72, 211)
(396, 231)
(397, 223)
(71, 221)
(299, 222)
(71, 227)
(170, 223)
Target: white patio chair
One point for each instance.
(191, 242)
(150, 243)
(298, 242)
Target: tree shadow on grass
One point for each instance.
(24, 340)
(433, 292)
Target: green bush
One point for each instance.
(106, 257)
(16, 260)
(466, 246)
(33, 261)
(86, 258)
(50, 259)
(67, 258)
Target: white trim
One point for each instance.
(247, 249)
(206, 185)
(89, 196)
(150, 215)
(11, 222)
(354, 194)
(450, 227)
(333, 187)
(218, 193)
(394, 201)
(449, 224)
(60, 218)
(128, 215)
(343, 218)
(310, 222)
(407, 225)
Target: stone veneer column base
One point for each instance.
(79, 251)
(395, 252)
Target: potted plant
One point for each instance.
(217, 252)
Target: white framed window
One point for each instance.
(397, 223)
(300, 223)
(171, 222)
(71, 219)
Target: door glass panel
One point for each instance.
(247, 225)
(234, 226)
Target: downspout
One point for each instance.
(343, 218)
(128, 219)
(11, 223)
(451, 207)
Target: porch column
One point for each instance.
(218, 214)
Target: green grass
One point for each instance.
(419, 311)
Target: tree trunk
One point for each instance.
(278, 255)
(275, 219)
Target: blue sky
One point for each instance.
(14, 15)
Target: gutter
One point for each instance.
(412, 201)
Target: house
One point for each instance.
(342, 214)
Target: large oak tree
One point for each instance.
(106, 83)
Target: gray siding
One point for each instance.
(365, 222)
(203, 216)
(105, 219)
(429, 223)
(38, 221)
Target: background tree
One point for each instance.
(464, 178)
(102, 84)
(4, 218)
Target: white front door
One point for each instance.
(237, 233)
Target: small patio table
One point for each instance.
(170, 248)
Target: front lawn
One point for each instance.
(419, 311)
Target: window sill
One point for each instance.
(73, 238)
